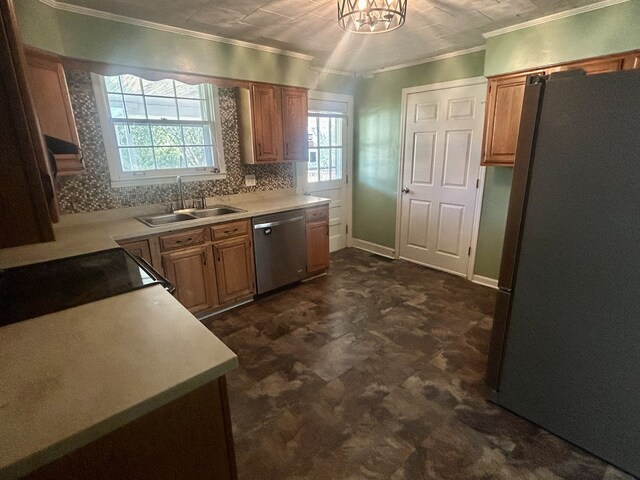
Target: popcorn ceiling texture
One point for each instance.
(91, 190)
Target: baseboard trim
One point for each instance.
(373, 248)
(486, 281)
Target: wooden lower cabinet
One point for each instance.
(234, 269)
(189, 437)
(317, 246)
(139, 248)
(191, 271)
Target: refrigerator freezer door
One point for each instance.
(572, 359)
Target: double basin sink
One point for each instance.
(191, 214)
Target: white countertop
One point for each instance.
(90, 232)
(72, 376)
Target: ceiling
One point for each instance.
(433, 27)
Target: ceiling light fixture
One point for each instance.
(371, 16)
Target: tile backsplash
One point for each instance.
(91, 190)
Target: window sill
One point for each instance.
(138, 181)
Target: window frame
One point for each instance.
(342, 147)
(121, 178)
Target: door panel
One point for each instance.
(419, 219)
(424, 152)
(457, 156)
(442, 149)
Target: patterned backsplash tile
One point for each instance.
(91, 190)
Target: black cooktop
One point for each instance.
(41, 288)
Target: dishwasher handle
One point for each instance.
(260, 226)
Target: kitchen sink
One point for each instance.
(158, 220)
(216, 211)
(168, 218)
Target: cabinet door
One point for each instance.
(317, 246)
(267, 123)
(592, 67)
(25, 184)
(139, 248)
(631, 61)
(191, 271)
(502, 119)
(234, 269)
(53, 105)
(294, 124)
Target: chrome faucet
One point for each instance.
(180, 193)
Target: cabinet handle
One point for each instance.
(327, 230)
(187, 240)
(217, 253)
(287, 147)
(204, 258)
(231, 231)
(259, 149)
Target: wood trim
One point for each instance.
(528, 71)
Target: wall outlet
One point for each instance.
(250, 180)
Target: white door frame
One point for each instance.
(481, 172)
(348, 100)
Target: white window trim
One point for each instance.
(119, 179)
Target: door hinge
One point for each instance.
(346, 227)
(477, 182)
(469, 252)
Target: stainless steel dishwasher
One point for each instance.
(280, 249)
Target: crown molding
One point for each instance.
(333, 72)
(90, 12)
(553, 17)
(457, 53)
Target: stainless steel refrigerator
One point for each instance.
(565, 345)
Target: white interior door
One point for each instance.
(441, 162)
(327, 171)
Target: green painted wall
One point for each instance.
(90, 38)
(377, 143)
(600, 32)
(39, 25)
(493, 220)
(607, 30)
(328, 82)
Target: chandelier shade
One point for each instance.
(371, 16)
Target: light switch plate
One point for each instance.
(250, 180)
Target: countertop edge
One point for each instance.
(59, 449)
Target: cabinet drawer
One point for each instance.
(182, 239)
(317, 213)
(229, 230)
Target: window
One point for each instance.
(326, 147)
(155, 130)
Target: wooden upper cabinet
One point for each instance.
(294, 124)
(267, 124)
(48, 84)
(27, 195)
(502, 119)
(272, 123)
(631, 61)
(504, 103)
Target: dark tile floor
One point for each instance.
(375, 372)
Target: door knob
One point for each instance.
(405, 190)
